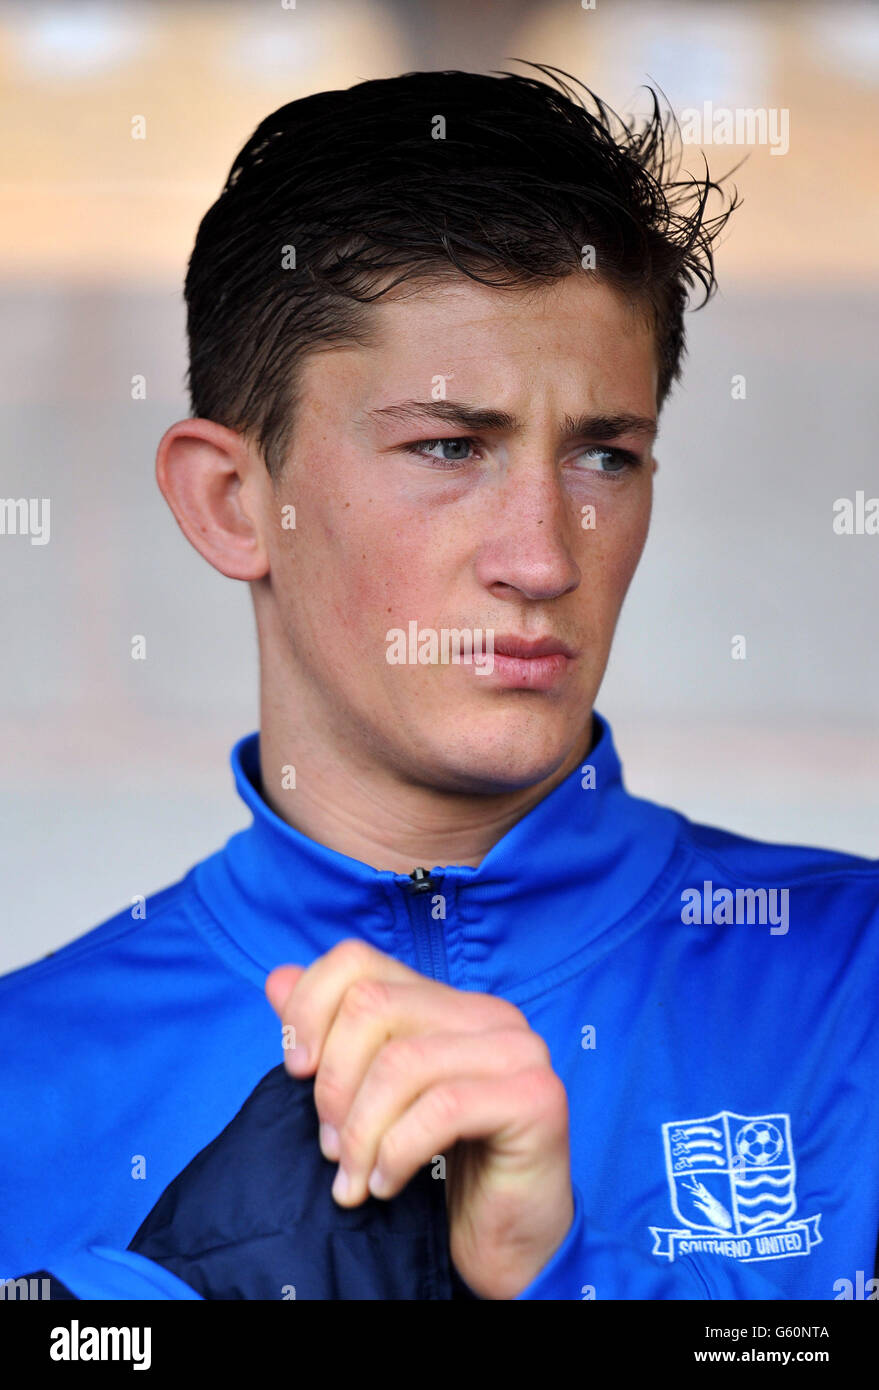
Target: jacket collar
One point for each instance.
(580, 863)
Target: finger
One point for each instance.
(279, 985)
(372, 1011)
(402, 1070)
(315, 998)
(522, 1119)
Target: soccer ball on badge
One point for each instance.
(760, 1143)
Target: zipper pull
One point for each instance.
(421, 881)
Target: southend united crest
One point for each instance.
(733, 1189)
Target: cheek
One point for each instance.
(632, 542)
(373, 576)
(610, 557)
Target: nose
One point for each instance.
(528, 549)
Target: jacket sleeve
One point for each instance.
(96, 1271)
(590, 1263)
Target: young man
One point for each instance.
(432, 323)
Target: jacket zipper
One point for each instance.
(430, 952)
(443, 1281)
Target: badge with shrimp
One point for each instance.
(733, 1176)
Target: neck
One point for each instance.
(362, 807)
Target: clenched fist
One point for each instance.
(407, 1068)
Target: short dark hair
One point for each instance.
(525, 176)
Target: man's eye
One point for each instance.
(600, 458)
(451, 450)
(616, 460)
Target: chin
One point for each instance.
(498, 759)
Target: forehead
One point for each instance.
(576, 334)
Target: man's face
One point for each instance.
(407, 515)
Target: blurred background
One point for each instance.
(115, 771)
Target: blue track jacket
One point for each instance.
(710, 1002)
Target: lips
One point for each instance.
(530, 663)
(528, 648)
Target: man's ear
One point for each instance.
(219, 490)
(655, 464)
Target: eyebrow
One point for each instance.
(601, 427)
